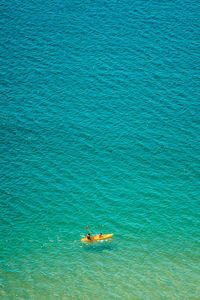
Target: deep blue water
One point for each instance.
(100, 127)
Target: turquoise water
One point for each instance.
(100, 127)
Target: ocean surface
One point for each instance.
(100, 127)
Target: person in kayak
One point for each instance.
(88, 236)
(100, 235)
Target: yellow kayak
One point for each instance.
(97, 238)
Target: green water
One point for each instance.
(100, 127)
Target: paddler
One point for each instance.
(100, 235)
(88, 236)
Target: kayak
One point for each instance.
(97, 238)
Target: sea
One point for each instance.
(100, 128)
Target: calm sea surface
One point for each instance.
(100, 127)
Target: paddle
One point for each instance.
(89, 232)
(88, 229)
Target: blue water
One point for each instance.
(100, 127)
